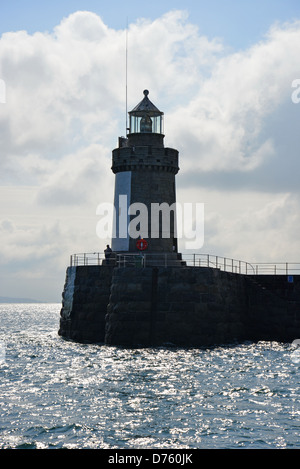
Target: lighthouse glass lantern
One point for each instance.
(146, 118)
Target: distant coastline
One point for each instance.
(8, 299)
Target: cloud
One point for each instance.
(79, 178)
(230, 114)
(232, 124)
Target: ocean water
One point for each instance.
(59, 394)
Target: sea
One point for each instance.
(57, 394)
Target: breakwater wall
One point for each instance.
(182, 306)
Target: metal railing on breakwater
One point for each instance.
(195, 260)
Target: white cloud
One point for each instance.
(223, 127)
(78, 178)
(230, 115)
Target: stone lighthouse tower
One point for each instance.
(145, 195)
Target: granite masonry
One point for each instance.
(181, 306)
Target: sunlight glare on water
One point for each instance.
(59, 394)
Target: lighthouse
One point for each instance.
(146, 294)
(145, 191)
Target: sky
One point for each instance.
(226, 74)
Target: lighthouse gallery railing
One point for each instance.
(196, 260)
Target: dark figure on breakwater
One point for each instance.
(107, 253)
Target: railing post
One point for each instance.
(194, 256)
(286, 268)
(207, 260)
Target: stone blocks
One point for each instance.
(183, 306)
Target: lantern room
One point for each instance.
(146, 118)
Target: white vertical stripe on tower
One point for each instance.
(121, 203)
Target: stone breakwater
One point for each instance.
(182, 306)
